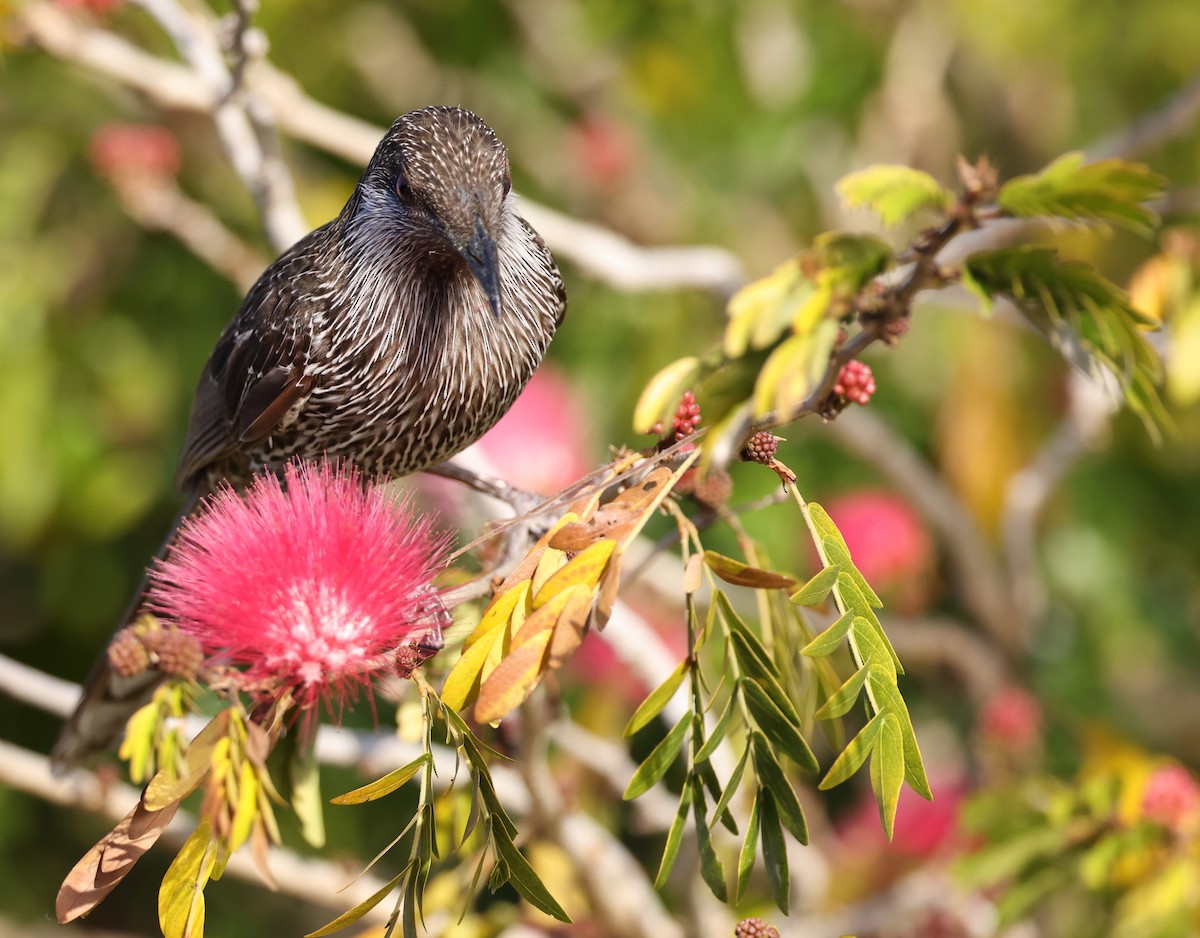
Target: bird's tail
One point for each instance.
(108, 699)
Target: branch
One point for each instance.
(618, 891)
(313, 881)
(195, 34)
(597, 251)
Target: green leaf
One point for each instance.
(837, 553)
(659, 760)
(349, 918)
(708, 775)
(735, 779)
(674, 838)
(774, 851)
(718, 732)
(813, 592)
(783, 382)
(870, 642)
(1108, 191)
(844, 698)
(165, 788)
(181, 895)
(524, 879)
(383, 786)
(305, 778)
(887, 770)
(886, 696)
(771, 775)
(853, 756)
(1069, 299)
(652, 706)
(778, 728)
(711, 870)
(764, 674)
(749, 848)
(831, 639)
(894, 193)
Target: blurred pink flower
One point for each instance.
(922, 828)
(134, 148)
(98, 7)
(539, 444)
(1171, 797)
(603, 149)
(889, 545)
(1012, 719)
(314, 587)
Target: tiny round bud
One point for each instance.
(178, 654)
(713, 488)
(127, 655)
(687, 416)
(761, 447)
(755, 928)
(855, 383)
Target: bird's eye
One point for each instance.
(403, 189)
(506, 183)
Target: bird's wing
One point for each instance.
(255, 375)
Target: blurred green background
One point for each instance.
(673, 122)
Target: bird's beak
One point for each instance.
(480, 255)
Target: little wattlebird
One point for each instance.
(391, 338)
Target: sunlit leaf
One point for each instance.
(514, 679)
(165, 788)
(894, 193)
(888, 699)
(305, 777)
(815, 591)
(731, 787)
(844, 698)
(525, 880)
(1111, 191)
(831, 639)
(887, 769)
(718, 732)
(760, 311)
(662, 393)
(352, 916)
(652, 706)
(783, 381)
(181, 895)
(385, 785)
(853, 756)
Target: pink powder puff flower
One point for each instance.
(313, 586)
(1012, 719)
(1171, 797)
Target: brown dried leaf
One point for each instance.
(740, 574)
(571, 626)
(110, 861)
(609, 586)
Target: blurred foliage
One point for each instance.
(672, 122)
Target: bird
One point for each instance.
(390, 338)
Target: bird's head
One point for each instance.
(441, 177)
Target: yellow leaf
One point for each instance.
(569, 630)
(550, 563)
(181, 895)
(662, 393)
(247, 807)
(539, 621)
(782, 383)
(754, 319)
(462, 683)
(515, 678)
(498, 612)
(585, 569)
